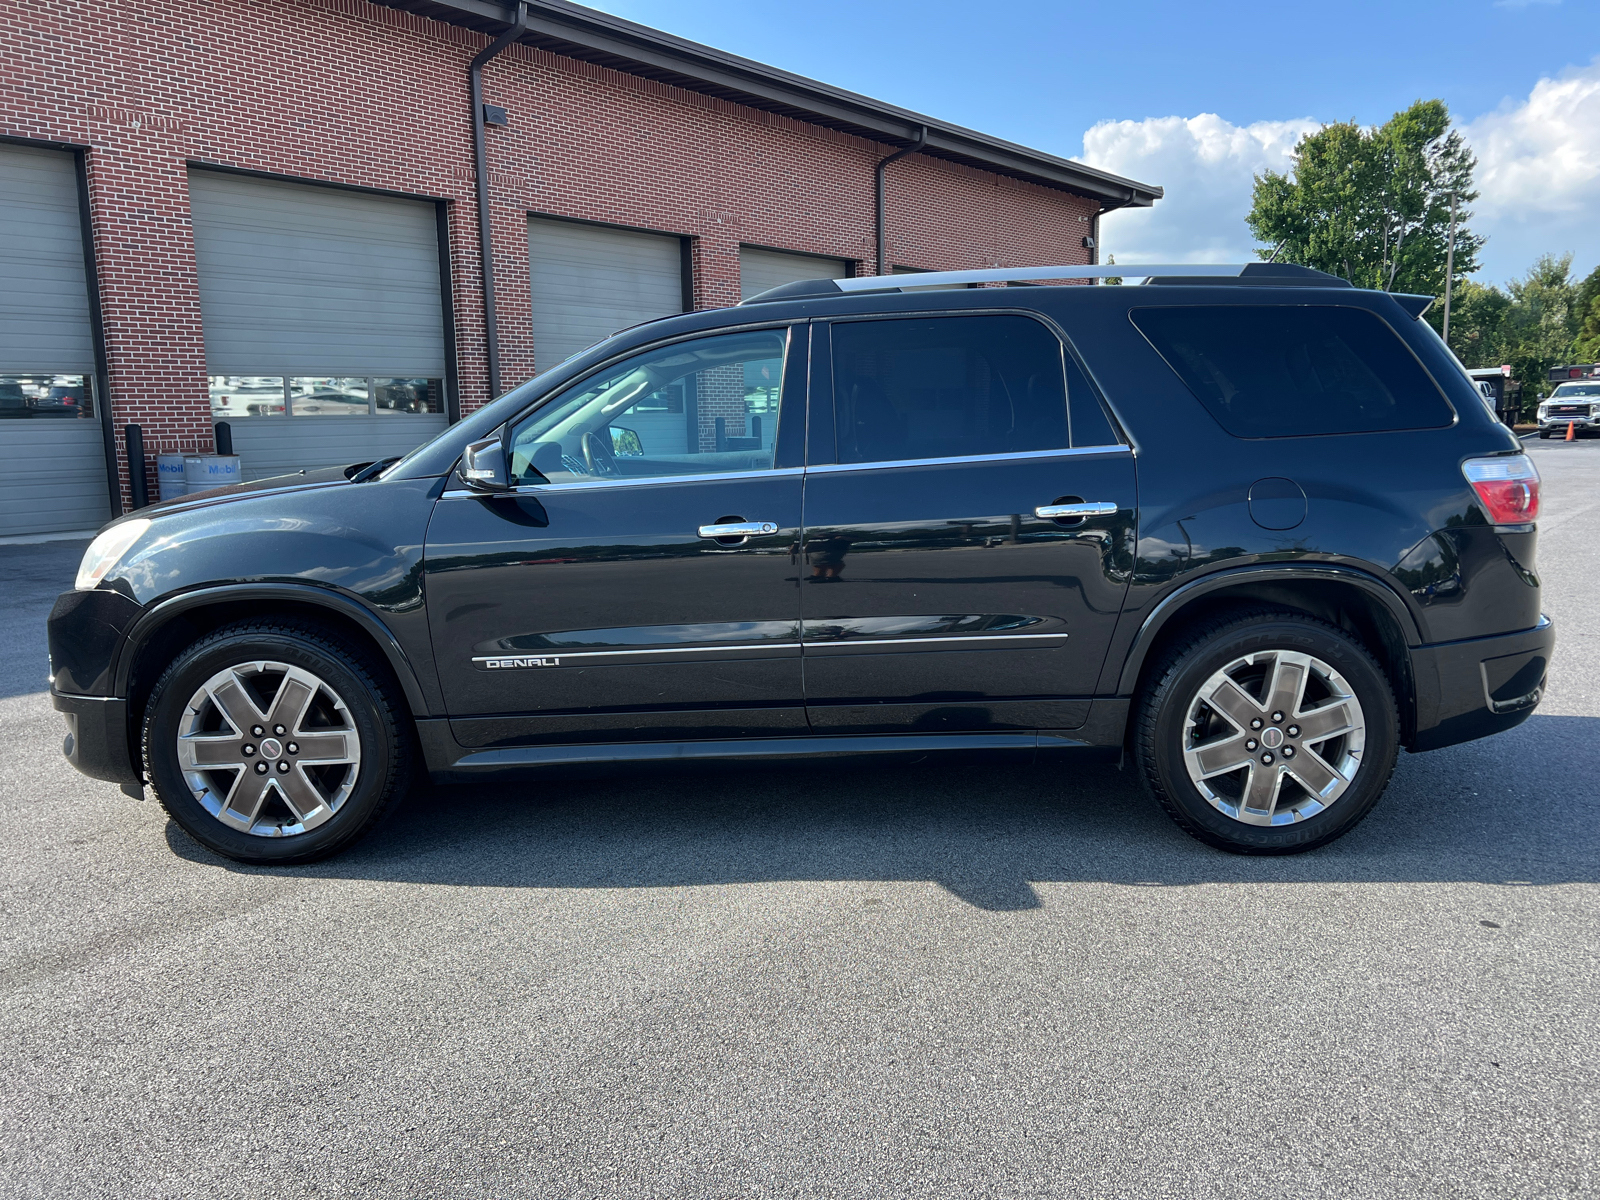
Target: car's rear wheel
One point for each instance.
(1267, 732)
(275, 743)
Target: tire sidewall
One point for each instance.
(1344, 655)
(335, 668)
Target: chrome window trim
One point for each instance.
(535, 489)
(1072, 452)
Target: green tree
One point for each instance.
(1478, 316)
(1542, 322)
(1587, 346)
(1373, 205)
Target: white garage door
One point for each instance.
(760, 270)
(52, 448)
(590, 281)
(324, 320)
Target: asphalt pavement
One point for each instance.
(793, 982)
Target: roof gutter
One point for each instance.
(480, 162)
(922, 140)
(574, 31)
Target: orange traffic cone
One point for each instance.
(1572, 430)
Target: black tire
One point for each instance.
(1176, 683)
(373, 711)
(1543, 436)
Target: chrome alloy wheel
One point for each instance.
(268, 749)
(1273, 738)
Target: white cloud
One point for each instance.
(1538, 172)
(1207, 166)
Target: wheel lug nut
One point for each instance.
(283, 767)
(1277, 717)
(261, 768)
(1294, 731)
(1255, 723)
(257, 730)
(280, 730)
(248, 750)
(1266, 759)
(293, 748)
(1288, 751)
(1250, 745)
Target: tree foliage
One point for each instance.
(1373, 205)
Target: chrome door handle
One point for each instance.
(1091, 508)
(742, 529)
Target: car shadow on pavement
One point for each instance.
(1516, 809)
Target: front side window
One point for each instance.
(1266, 371)
(947, 387)
(692, 408)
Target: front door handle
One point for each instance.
(738, 529)
(1091, 508)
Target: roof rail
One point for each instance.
(1270, 274)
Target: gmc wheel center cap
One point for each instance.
(273, 748)
(1270, 738)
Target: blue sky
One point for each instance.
(1195, 97)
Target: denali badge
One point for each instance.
(501, 664)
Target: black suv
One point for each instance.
(1250, 530)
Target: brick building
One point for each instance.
(266, 212)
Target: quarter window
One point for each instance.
(1295, 370)
(691, 408)
(947, 387)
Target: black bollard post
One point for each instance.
(138, 483)
(224, 438)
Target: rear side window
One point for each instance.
(947, 387)
(1269, 371)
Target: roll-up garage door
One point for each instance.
(324, 320)
(763, 269)
(589, 281)
(52, 447)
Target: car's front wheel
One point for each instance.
(1267, 732)
(275, 742)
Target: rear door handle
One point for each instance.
(741, 529)
(1089, 508)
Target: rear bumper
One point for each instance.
(1472, 689)
(97, 737)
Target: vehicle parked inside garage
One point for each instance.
(1250, 530)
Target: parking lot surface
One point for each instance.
(914, 981)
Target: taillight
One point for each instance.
(1508, 485)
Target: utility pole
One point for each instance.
(1449, 267)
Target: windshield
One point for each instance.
(1567, 390)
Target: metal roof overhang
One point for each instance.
(583, 33)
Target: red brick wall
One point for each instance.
(350, 92)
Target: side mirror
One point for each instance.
(483, 466)
(626, 442)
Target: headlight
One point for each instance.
(105, 550)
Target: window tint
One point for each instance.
(947, 387)
(691, 408)
(1090, 425)
(1294, 370)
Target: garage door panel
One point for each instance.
(761, 270)
(52, 476)
(314, 281)
(44, 301)
(269, 446)
(590, 281)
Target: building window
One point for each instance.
(234, 397)
(46, 397)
